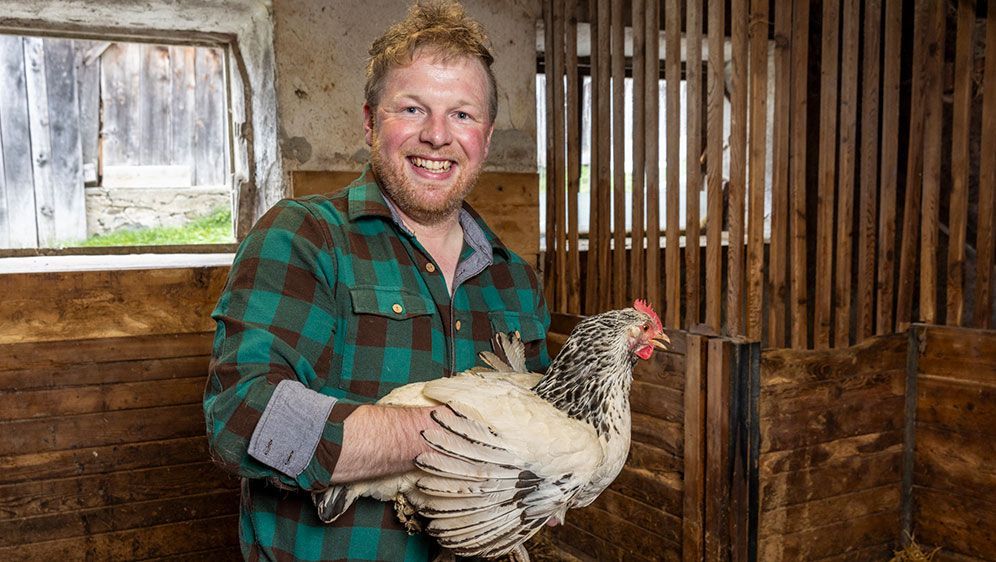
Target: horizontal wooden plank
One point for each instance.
(638, 543)
(662, 490)
(87, 373)
(118, 518)
(774, 462)
(666, 369)
(962, 353)
(831, 422)
(819, 513)
(955, 463)
(649, 518)
(573, 540)
(34, 404)
(99, 460)
(844, 476)
(962, 524)
(960, 406)
(658, 401)
(224, 554)
(877, 552)
(942, 555)
(787, 398)
(24, 357)
(651, 458)
(47, 497)
(663, 434)
(835, 539)
(79, 305)
(133, 544)
(796, 366)
(105, 428)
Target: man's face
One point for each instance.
(429, 135)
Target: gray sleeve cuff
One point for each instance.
(288, 433)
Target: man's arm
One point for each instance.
(381, 440)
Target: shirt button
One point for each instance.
(397, 308)
(430, 267)
(458, 324)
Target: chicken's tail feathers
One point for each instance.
(333, 502)
(509, 353)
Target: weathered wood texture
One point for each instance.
(509, 203)
(104, 455)
(831, 450)
(876, 209)
(954, 481)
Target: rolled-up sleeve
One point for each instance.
(274, 327)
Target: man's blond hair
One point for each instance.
(441, 28)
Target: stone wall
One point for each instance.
(113, 209)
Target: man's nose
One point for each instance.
(436, 131)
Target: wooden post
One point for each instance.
(719, 393)
(604, 176)
(758, 154)
(714, 167)
(823, 305)
(17, 195)
(778, 260)
(931, 198)
(619, 296)
(738, 169)
(551, 209)
(556, 189)
(573, 159)
(797, 177)
(693, 516)
(987, 185)
(890, 165)
(672, 78)
(868, 211)
(845, 178)
(637, 252)
(693, 185)
(652, 100)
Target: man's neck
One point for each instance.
(443, 241)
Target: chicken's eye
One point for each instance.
(646, 327)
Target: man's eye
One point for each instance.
(411, 110)
(462, 115)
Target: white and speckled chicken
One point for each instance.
(515, 450)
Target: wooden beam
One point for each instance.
(695, 465)
(778, 269)
(604, 176)
(845, 179)
(931, 198)
(714, 167)
(892, 60)
(961, 125)
(672, 60)
(738, 169)
(797, 178)
(573, 159)
(868, 211)
(549, 262)
(559, 164)
(619, 295)
(637, 275)
(758, 155)
(693, 175)
(987, 186)
(652, 101)
(829, 76)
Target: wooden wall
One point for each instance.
(831, 451)
(952, 475)
(103, 453)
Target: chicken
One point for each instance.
(514, 450)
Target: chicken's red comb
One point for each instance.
(645, 308)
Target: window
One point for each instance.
(114, 143)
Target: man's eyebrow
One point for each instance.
(418, 99)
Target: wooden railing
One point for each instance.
(881, 207)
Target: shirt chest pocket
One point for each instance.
(531, 329)
(389, 341)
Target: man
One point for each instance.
(334, 300)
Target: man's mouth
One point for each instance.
(431, 165)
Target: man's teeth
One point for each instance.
(432, 165)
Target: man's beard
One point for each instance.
(405, 194)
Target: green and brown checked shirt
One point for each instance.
(332, 303)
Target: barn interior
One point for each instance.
(830, 391)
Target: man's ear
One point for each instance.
(487, 141)
(368, 123)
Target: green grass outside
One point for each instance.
(215, 228)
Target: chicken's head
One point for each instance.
(646, 332)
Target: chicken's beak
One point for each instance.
(660, 341)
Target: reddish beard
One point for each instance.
(405, 194)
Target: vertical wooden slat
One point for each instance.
(758, 153)
(40, 142)
(719, 431)
(797, 177)
(714, 167)
(823, 307)
(652, 101)
(182, 106)
(559, 147)
(551, 182)
(693, 174)
(66, 158)
(846, 160)
(618, 158)
(209, 144)
(738, 169)
(604, 163)
(987, 185)
(960, 126)
(17, 186)
(931, 198)
(695, 465)
(914, 167)
(154, 105)
(672, 79)
(637, 252)
(868, 209)
(573, 158)
(778, 260)
(595, 148)
(890, 165)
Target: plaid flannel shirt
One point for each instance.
(332, 303)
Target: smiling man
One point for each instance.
(334, 300)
